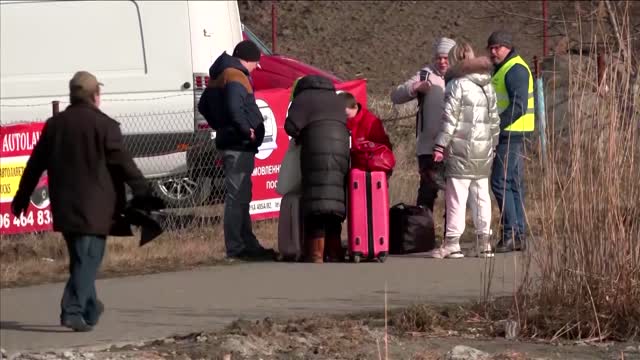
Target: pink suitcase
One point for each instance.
(368, 215)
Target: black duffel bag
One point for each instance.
(411, 229)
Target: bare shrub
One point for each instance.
(585, 210)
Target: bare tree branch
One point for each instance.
(616, 29)
(513, 13)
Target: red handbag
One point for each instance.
(369, 156)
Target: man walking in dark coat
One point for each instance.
(318, 122)
(86, 162)
(229, 106)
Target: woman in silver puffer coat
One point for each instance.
(469, 135)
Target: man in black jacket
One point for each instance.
(86, 162)
(229, 105)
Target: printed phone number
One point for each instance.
(41, 217)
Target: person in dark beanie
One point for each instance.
(513, 83)
(87, 164)
(229, 106)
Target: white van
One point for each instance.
(152, 56)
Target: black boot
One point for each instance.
(511, 244)
(505, 246)
(76, 323)
(521, 243)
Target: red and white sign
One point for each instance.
(17, 142)
(274, 104)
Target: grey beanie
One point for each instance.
(500, 38)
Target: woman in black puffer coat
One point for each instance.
(317, 121)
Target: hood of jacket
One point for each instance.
(223, 62)
(315, 82)
(481, 79)
(471, 124)
(478, 70)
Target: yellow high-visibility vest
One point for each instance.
(526, 122)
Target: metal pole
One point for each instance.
(274, 27)
(55, 105)
(544, 28)
(540, 112)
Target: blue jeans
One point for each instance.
(507, 184)
(238, 232)
(85, 256)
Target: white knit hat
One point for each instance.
(443, 45)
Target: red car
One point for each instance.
(279, 71)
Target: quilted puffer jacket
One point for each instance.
(318, 122)
(471, 123)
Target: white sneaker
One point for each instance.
(486, 252)
(450, 250)
(483, 246)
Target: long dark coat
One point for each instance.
(317, 120)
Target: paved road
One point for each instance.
(152, 306)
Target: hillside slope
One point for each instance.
(386, 41)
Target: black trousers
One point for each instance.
(428, 190)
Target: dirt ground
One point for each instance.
(356, 337)
(386, 42)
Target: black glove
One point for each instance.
(148, 203)
(19, 205)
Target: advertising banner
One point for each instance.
(17, 143)
(274, 105)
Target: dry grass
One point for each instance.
(33, 259)
(589, 221)
(582, 204)
(427, 318)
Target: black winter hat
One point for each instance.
(500, 38)
(247, 50)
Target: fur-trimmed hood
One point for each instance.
(470, 123)
(477, 70)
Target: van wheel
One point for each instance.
(180, 191)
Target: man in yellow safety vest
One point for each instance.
(513, 83)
